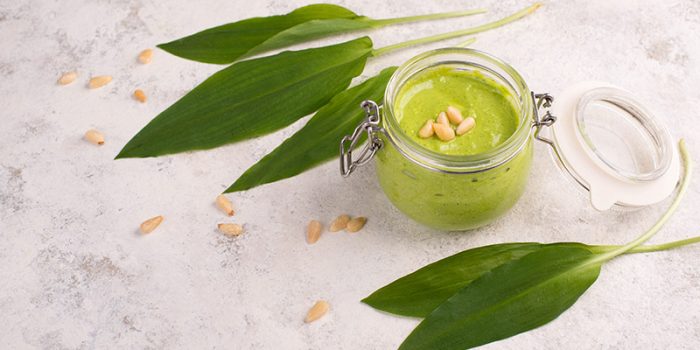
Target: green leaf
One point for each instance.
(516, 297)
(251, 98)
(419, 293)
(231, 42)
(308, 31)
(318, 140)
(227, 43)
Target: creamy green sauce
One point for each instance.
(431, 91)
(454, 201)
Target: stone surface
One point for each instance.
(77, 275)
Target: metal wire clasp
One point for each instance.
(370, 126)
(542, 100)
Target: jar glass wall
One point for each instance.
(455, 192)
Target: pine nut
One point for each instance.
(95, 137)
(466, 125)
(444, 132)
(67, 78)
(340, 223)
(313, 231)
(454, 115)
(317, 311)
(356, 224)
(140, 96)
(145, 56)
(99, 81)
(225, 205)
(427, 130)
(442, 119)
(149, 225)
(230, 230)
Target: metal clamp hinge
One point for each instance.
(542, 101)
(370, 126)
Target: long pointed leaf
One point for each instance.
(516, 297)
(251, 98)
(227, 43)
(318, 140)
(419, 293)
(231, 42)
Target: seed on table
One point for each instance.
(145, 56)
(454, 115)
(225, 205)
(339, 223)
(313, 231)
(356, 224)
(466, 125)
(99, 81)
(442, 119)
(95, 137)
(231, 230)
(149, 225)
(317, 311)
(67, 78)
(139, 95)
(427, 129)
(444, 132)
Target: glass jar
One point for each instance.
(451, 192)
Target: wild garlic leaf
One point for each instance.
(318, 140)
(419, 293)
(228, 42)
(518, 296)
(231, 42)
(251, 98)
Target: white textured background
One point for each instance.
(74, 273)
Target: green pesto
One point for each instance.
(455, 201)
(431, 91)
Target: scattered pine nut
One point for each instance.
(231, 230)
(313, 231)
(95, 137)
(140, 96)
(356, 224)
(149, 225)
(444, 132)
(340, 223)
(225, 205)
(466, 125)
(99, 81)
(427, 129)
(442, 119)
(454, 115)
(317, 311)
(145, 56)
(67, 78)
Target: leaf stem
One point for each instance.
(439, 37)
(467, 42)
(647, 248)
(664, 246)
(688, 165)
(389, 21)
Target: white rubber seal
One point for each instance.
(606, 187)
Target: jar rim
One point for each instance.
(496, 68)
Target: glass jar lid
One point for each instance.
(613, 146)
